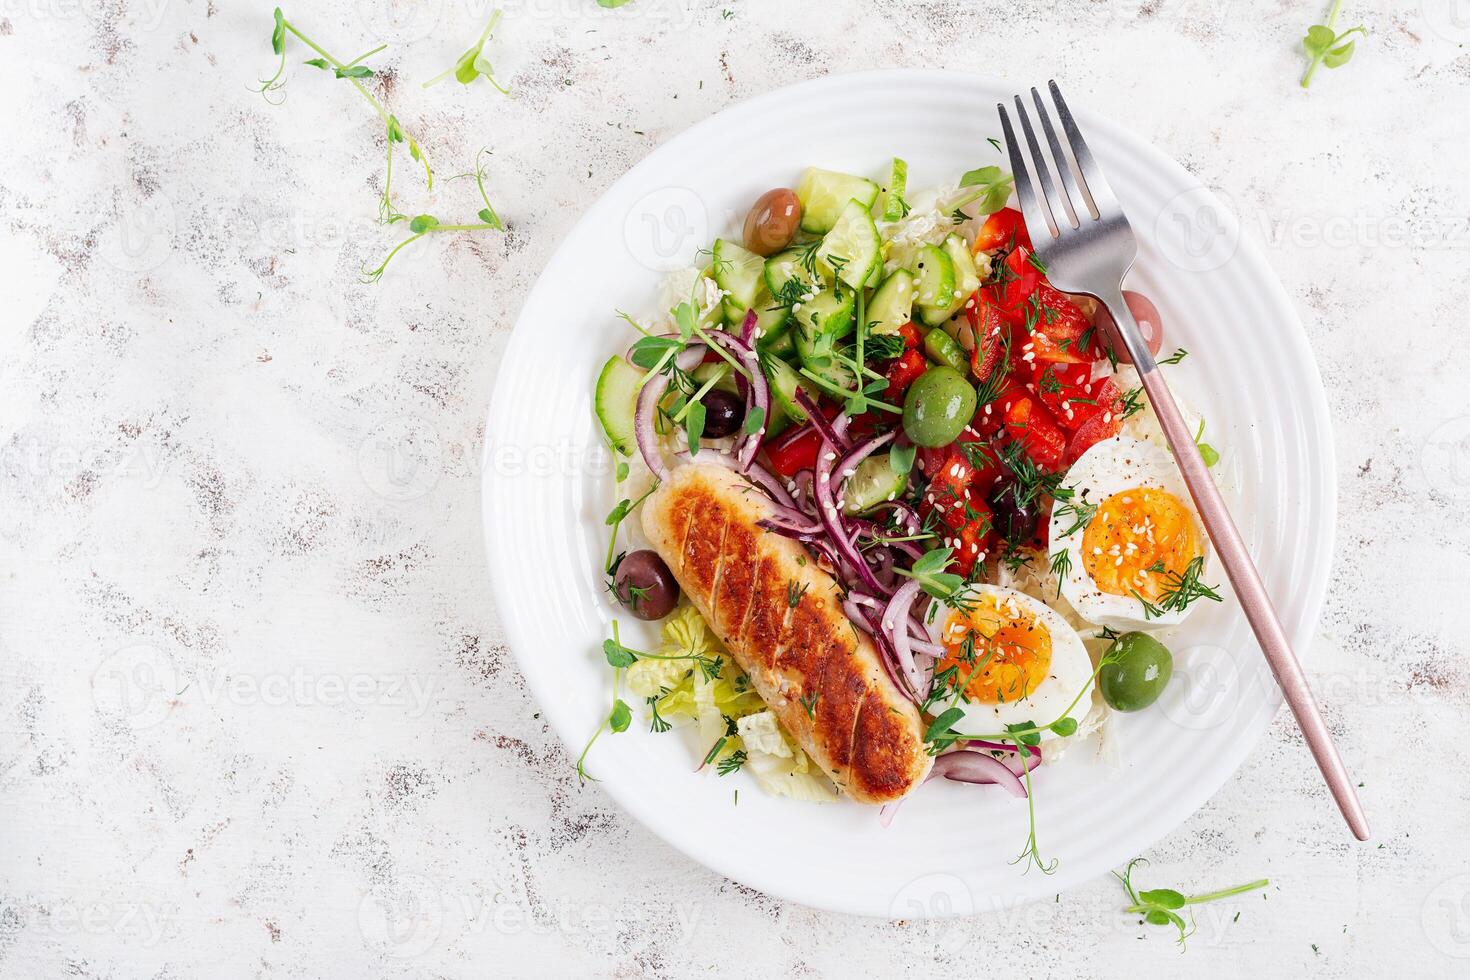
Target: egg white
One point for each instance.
(1070, 671)
(1113, 466)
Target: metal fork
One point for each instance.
(1085, 243)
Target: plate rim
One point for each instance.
(1313, 399)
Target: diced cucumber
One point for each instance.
(891, 205)
(769, 317)
(936, 283)
(784, 382)
(821, 322)
(967, 280)
(777, 343)
(783, 267)
(832, 377)
(738, 272)
(852, 246)
(872, 483)
(824, 193)
(893, 304)
(713, 369)
(941, 348)
(615, 401)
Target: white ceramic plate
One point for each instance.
(548, 486)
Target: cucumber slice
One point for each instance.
(891, 204)
(824, 193)
(872, 483)
(936, 282)
(704, 372)
(738, 272)
(967, 280)
(778, 343)
(893, 304)
(616, 401)
(784, 383)
(852, 246)
(821, 322)
(784, 267)
(769, 317)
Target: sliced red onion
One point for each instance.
(747, 328)
(802, 492)
(791, 524)
(895, 627)
(758, 475)
(755, 389)
(848, 464)
(771, 484)
(908, 518)
(828, 429)
(831, 517)
(647, 407)
(967, 766)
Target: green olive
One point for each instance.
(1136, 671)
(937, 407)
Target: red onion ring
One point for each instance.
(828, 429)
(831, 517)
(757, 397)
(649, 396)
(968, 766)
(895, 627)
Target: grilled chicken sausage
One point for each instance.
(781, 617)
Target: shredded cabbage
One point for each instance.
(723, 707)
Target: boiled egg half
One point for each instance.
(1017, 658)
(1130, 535)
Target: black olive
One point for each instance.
(645, 585)
(723, 413)
(1014, 521)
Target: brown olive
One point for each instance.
(772, 221)
(645, 585)
(723, 413)
(1014, 520)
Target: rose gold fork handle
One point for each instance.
(1242, 571)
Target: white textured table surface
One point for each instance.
(234, 473)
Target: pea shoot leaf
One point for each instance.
(694, 425)
(617, 654)
(1324, 45)
(754, 420)
(901, 459)
(621, 716)
(278, 33)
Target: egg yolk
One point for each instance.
(1135, 539)
(1001, 651)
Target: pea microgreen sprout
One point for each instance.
(929, 572)
(354, 72)
(1160, 906)
(473, 64)
(618, 718)
(1325, 46)
(991, 186)
(427, 224)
